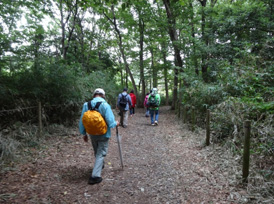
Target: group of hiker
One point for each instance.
(97, 119)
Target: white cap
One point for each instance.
(154, 91)
(99, 91)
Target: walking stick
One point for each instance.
(119, 147)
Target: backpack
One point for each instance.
(145, 102)
(123, 101)
(93, 121)
(153, 101)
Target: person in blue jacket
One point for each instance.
(99, 143)
(123, 104)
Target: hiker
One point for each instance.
(123, 104)
(146, 105)
(133, 101)
(99, 142)
(154, 101)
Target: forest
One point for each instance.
(212, 55)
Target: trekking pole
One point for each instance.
(119, 147)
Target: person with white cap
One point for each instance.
(154, 101)
(99, 142)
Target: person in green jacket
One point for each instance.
(154, 101)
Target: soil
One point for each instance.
(167, 163)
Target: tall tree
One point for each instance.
(113, 20)
(140, 7)
(205, 40)
(174, 39)
(70, 12)
(194, 47)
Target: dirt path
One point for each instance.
(163, 164)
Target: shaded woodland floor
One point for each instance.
(162, 164)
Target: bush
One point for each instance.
(228, 118)
(202, 96)
(59, 88)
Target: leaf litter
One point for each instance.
(162, 164)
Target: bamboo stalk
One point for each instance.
(184, 114)
(179, 109)
(193, 117)
(246, 155)
(207, 127)
(39, 119)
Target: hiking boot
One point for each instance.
(156, 122)
(94, 180)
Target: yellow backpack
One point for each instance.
(93, 121)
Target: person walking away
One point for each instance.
(99, 142)
(133, 101)
(146, 105)
(154, 101)
(123, 104)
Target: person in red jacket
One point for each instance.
(133, 100)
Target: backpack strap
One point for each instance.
(89, 105)
(125, 97)
(96, 106)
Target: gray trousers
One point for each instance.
(124, 118)
(100, 147)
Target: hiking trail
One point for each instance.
(162, 164)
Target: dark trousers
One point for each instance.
(132, 111)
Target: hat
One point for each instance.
(99, 91)
(125, 89)
(154, 91)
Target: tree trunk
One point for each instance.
(174, 38)
(204, 38)
(142, 75)
(154, 70)
(62, 28)
(194, 58)
(165, 71)
(121, 72)
(72, 9)
(121, 48)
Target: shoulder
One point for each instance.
(85, 105)
(105, 105)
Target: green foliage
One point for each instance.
(99, 79)
(242, 92)
(201, 95)
(234, 47)
(228, 118)
(163, 100)
(59, 88)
